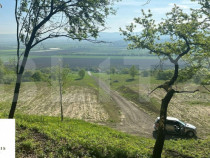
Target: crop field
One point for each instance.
(87, 61)
(81, 100)
(94, 61)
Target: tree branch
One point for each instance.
(163, 53)
(187, 91)
(148, 1)
(58, 35)
(17, 36)
(206, 88)
(186, 51)
(166, 86)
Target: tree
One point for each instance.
(37, 76)
(188, 38)
(133, 71)
(2, 71)
(59, 78)
(125, 71)
(113, 70)
(62, 81)
(81, 73)
(39, 20)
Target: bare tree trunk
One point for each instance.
(161, 129)
(15, 96)
(17, 85)
(61, 95)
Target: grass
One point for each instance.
(126, 80)
(129, 88)
(42, 136)
(150, 106)
(198, 103)
(87, 81)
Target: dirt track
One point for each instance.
(133, 120)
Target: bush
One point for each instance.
(81, 73)
(9, 78)
(125, 71)
(37, 76)
(27, 76)
(164, 75)
(113, 70)
(133, 71)
(1, 74)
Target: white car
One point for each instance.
(177, 127)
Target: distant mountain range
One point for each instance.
(107, 36)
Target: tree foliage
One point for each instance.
(188, 38)
(133, 71)
(39, 20)
(81, 73)
(113, 70)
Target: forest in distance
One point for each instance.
(141, 89)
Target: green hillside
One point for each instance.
(41, 136)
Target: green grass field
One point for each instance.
(41, 136)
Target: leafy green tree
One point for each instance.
(39, 20)
(113, 70)
(189, 37)
(37, 76)
(125, 71)
(81, 73)
(133, 71)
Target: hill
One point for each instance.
(42, 136)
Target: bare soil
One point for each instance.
(78, 102)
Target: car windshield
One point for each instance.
(182, 123)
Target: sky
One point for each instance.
(126, 11)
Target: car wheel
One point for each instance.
(190, 134)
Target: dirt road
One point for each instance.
(133, 120)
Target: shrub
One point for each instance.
(133, 71)
(37, 76)
(81, 73)
(1, 75)
(164, 75)
(125, 71)
(27, 76)
(9, 78)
